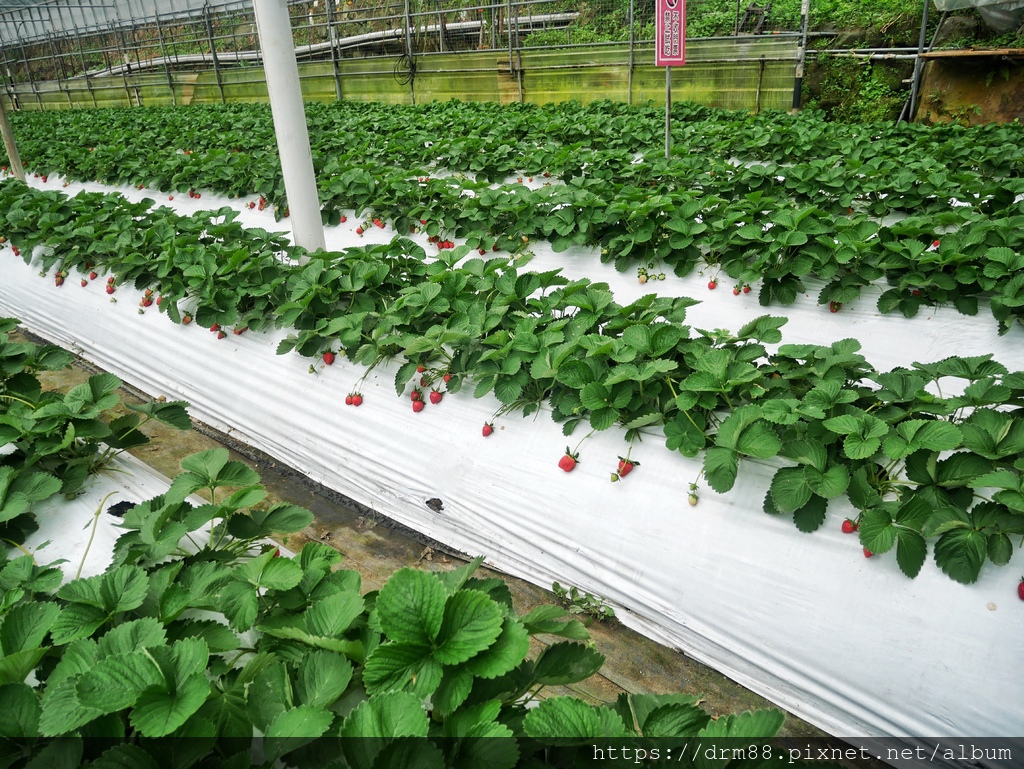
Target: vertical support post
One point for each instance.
(668, 112)
(801, 55)
(213, 49)
(332, 35)
(31, 79)
(632, 52)
(282, 73)
(12, 149)
(760, 81)
(8, 79)
(916, 80)
(513, 27)
(85, 69)
(58, 70)
(122, 57)
(163, 55)
(440, 28)
(408, 52)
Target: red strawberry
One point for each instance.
(148, 293)
(237, 331)
(712, 285)
(736, 292)
(359, 230)
(867, 553)
(416, 395)
(146, 302)
(935, 244)
(215, 327)
(915, 292)
(357, 399)
(418, 406)
(379, 223)
(186, 319)
(110, 288)
(1020, 589)
(482, 251)
(85, 282)
(447, 377)
(328, 358)
(424, 382)
(348, 399)
(159, 299)
(746, 289)
(420, 369)
(221, 335)
(568, 461)
(423, 221)
(59, 280)
(110, 279)
(277, 552)
(626, 466)
(488, 429)
(849, 526)
(343, 219)
(835, 306)
(170, 197)
(435, 396)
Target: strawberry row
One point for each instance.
(54, 441)
(913, 464)
(769, 219)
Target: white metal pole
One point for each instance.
(668, 112)
(12, 149)
(282, 72)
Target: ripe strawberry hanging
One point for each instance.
(416, 395)
(328, 358)
(569, 460)
(348, 399)
(418, 406)
(867, 553)
(1020, 589)
(357, 399)
(435, 396)
(712, 285)
(849, 526)
(626, 466)
(488, 429)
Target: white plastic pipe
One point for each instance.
(12, 149)
(282, 73)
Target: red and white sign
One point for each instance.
(670, 33)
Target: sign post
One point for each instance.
(669, 51)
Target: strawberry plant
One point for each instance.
(55, 441)
(211, 631)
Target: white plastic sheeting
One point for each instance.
(847, 643)
(79, 531)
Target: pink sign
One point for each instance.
(670, 33)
